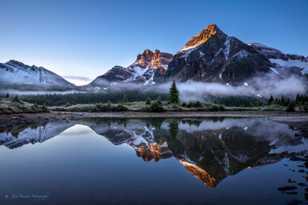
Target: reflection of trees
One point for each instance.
(217, 119)
(104, 122)
(190, 122)
(173, 128)
(156, 123)
(173, 143)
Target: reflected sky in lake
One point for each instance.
(153, 161)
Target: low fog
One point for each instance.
(262, 87)
(257, 87)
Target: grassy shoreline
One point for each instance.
(160, 107)
(144, 108)
(132, 114)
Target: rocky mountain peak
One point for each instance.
(210, 56)
(148, 66)
(213, 56)
(19, 64)
(201, 38)
(149, 58)
(15, 63)
(154, 60)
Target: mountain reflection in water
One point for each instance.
(209, 149)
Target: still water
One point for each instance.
(153, 161)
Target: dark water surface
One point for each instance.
(154, 161)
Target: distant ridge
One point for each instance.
(17, 75)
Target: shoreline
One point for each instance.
(295, 120)
(275, 115)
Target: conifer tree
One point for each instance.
(271, 100)
(174, 94)
(148, 101)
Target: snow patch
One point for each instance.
(291, 63)
(14, 72)
(241, 54)
(136, 71)
(150, 80)
(227, 48)
(274, 70)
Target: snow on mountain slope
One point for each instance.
(147, 67)
(282, 60)
(291, 63)
(213, 56)
(210, 56)
(14, 74)
(137, 72)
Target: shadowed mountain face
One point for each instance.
(213, 56)
(210, 56)
(210, 149)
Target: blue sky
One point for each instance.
(85, 38)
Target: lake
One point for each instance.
(154, 161)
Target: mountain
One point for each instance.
(213, 56)
(210, 56)
(283, 62)
(148, 66)
(16, 75)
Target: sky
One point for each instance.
(82, 39)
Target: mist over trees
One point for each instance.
(180, 96)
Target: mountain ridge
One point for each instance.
(202, 37)
(147, 66)
(17, 74)
(216, 57)
(209, 56)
